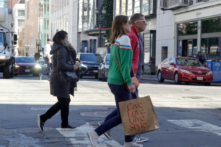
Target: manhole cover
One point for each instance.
(39, 109)
(95, 114)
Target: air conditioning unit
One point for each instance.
(175, 4)
(163, 4)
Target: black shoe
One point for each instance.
(67, 128)
(40, 122)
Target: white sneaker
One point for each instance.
(132, 144)
(93, 137)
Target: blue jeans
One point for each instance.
(115, 111)
(121, 94)
(48, 69)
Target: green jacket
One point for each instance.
(124, 53)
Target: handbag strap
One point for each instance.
(118, 64)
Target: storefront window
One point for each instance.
(189, 28)
(211, 25)
(123, 7)
(210, 48)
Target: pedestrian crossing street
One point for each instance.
(79, 138)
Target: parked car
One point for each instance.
(89, 64)
(26, 65)
(184, 69)
(104, 68)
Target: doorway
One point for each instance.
(188, 46)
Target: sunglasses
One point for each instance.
(144, 21)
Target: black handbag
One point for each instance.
(65, 77)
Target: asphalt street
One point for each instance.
(189, 115)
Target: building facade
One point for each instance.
(188, 26)
(4, 4)
(148, 9)
(19, 19)
(13, 2)
(64, 16)
(28, 31)
(78, 18)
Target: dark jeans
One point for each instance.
(121, 94)
(48, 69)
(115, 111)
(63, 105)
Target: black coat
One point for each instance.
(61, 57)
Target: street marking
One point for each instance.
(79, 137)
(198, 125)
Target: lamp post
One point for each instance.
(100, 20)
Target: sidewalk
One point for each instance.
(154, 78)
(150, 77)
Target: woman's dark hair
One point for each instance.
(60, 35)
(117, 29)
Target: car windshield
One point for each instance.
(108, 58)
(188, 62)
(91, 57)
(25, 60)
(1, 38)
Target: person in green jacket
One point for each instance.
(121, 55)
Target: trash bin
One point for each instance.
(215, 67)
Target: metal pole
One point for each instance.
(99, 39)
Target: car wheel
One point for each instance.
(176, 78)
(96, 76)
(6, 72)
(159, 77)
(207, 84)
(81, 76)
(15, 74)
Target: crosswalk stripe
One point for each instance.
(198, 125)
(79, 137)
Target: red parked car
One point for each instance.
(183, 69)
(26, 65)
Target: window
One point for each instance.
(166, 61)
(211, 48)
(117, 7)
(2, 38)
(20, 22)
(123, 7)
(188, 62)
(189, 28)
(137, 6)
(211, 25)
(172, 60)
(130, 7)
(21, 12)
(145, 6)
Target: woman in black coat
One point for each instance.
(63, 60)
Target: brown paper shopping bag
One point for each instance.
(138, 116)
